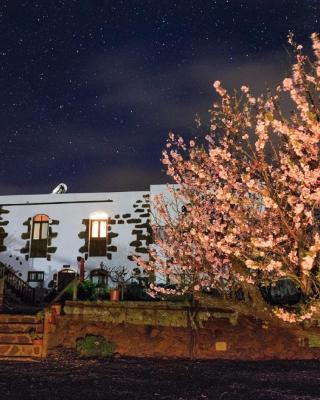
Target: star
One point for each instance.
(96, 81)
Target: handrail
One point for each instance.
(16, 284)
(63, 283)
(2, 270)
(74, 284)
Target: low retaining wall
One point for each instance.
(162, 329)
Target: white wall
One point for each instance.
(70, 216)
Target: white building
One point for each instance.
(39, 234)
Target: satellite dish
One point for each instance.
(61, 188)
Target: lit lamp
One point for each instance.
(99, 276)
(98, 215)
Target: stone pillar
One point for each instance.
(47, 330)
(75, 290)
(1, 294)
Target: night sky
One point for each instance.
(90, 89)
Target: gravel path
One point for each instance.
(65, 376)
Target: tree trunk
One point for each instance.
(193, 326)
(252, 292)
(305, 284)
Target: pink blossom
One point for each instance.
(244, 89)
(251, 200)
(287, 84)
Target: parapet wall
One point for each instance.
(163, 329)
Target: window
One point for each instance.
(39, 237)
(35, 276)
(98, 238)
(98, 229)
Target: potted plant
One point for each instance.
(115, 294)
(37, 341)
(36, 338)
(121, 278)
(56, 309)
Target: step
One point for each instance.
(20, 359)
(18, 327)
(21, 309)
(16, 338)
(5, 318)
(20, 350)
(13, 297)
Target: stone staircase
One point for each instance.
(21, 337)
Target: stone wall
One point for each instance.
(162, 329)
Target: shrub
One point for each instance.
(86, 290)
(136, 292)
(95, 346)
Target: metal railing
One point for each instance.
(72, 284)
(17, 285)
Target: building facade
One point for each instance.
(39, 234)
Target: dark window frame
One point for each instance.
(98, 244)
(39, 246)
(38, 276)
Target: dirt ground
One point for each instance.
(65, 376)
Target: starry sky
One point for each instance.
(89, 89)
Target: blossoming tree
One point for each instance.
(247, 208)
